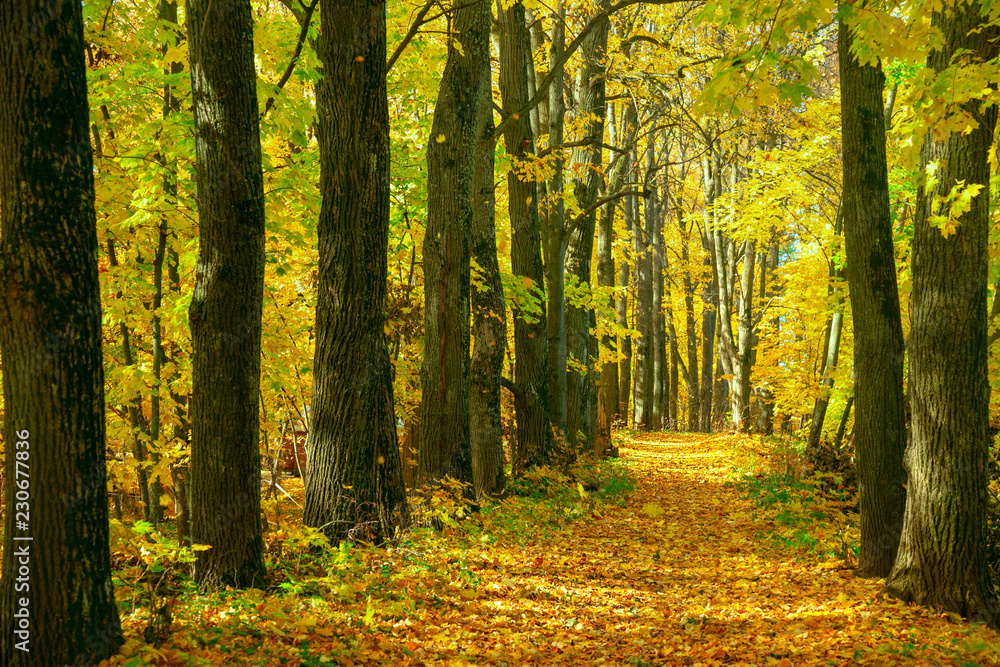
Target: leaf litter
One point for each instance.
(684, 556)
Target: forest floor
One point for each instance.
(697, 550)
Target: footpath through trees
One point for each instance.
(694, 550)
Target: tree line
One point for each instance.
(654, 128)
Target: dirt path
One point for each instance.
(681, 574)
(695, 584)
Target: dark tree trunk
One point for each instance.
(530, 333)
(354, 484)
(630, 210)
(489, 323)
(942, 552)
(57, 603)
(586, 161)
(710, 297)
(644, 320)
(555, 235)
(608, 396)
(451, 156)
(691, 327)
(226, 307)
(880, 429)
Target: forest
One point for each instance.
(404, 332)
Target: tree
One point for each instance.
(451, 158)
(354, 487)
(530, 342)
(488, 310)
(225, 311)
(941, 559)
(879, 430)
(58, 604)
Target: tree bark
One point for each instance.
(630, 211)
(880, 428)
(354, 484)
(586, 162)
(942, 554)
(451, 156)
(659, 417)
(57, 602)
(530, 342)
(608, 394)
(642, 251)
(489, 324)
(744, 342)
(555, 235)
(226, 307)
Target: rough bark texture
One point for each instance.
(942, 558)
(880, 429)
(530, 342)
(586, 161)
(641, 247)
(451, 156)
(489, 323)
(555, 235)
(226, 307)
(55, 539)
(354, 484)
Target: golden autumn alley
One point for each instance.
(696, 550)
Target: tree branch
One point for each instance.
(410, 34)
(304, 24)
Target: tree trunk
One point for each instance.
(225, 311)
(658, 416)
(57, 602)
(489, 324)
(630, 211)
(555, 236)
(451, 156)
(942, 553)
(744, 342)
(354, 485)
(586, 163)
(608, 395)
(880, 428)
(691, 327)
(644, 316)
(530, 342)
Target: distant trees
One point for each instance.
(225, 310)
(57, 601)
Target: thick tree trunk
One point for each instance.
(555, 235)
(942, 556)
(226, 307)
(530, 331)
(451, 155)
(354, 485)
(489, 323)
(586, 164)
(880, 428)
(57, 602)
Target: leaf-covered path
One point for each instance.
(687, 571)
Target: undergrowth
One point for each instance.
(796, 506)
